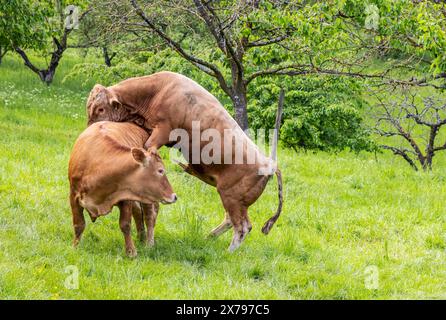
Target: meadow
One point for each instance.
(353, 226)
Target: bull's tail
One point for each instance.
(269, 224)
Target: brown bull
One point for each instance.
(109, 167)
(166, 101)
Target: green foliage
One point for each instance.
(319, 113)
(31, 24)
(22, 23)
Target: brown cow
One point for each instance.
(109, 167)
(166, 101)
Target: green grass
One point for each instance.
(342, 214)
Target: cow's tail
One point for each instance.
(269, 224)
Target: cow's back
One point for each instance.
(100, 146)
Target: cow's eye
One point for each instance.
(161, 172)
(101, 110)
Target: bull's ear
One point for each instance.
(140, 156)
(114, 102)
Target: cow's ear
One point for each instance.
(140, 156)
(153, 152)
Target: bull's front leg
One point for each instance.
(125, 220)
(159, 137)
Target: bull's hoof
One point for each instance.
(142, 237)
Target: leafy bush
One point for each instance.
(319, 112)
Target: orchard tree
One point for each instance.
(412, 127)
(238, 42)
(43, 26)
(19, 25)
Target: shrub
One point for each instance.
(320, 113)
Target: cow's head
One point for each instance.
(103, 104)
(150, 177)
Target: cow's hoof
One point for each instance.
(132, 253)
(150, 243)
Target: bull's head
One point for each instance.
(104, 104)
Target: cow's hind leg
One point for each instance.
(125, 220)
(150, 215)
(222, 227)
(138, 216)
(78, 219)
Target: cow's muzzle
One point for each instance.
(173, 198)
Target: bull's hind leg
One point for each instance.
(238, 214)
(138, 216)
(150, 215)
(222, 227)
(241, 228)
(78, 219)
(125, 220)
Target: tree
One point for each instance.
(237, 42)
(408, 122)
(90, 36)
(19, 21)
(43, 26)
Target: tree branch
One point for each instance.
(25, 58)
(204, 66)
(266, 42)
(402, 153)
(217, 30)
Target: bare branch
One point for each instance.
(205, 66)
(403, 153)
(267, 42)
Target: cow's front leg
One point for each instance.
(138, 216)
(159, 137)
(150, 215)
(125, 220)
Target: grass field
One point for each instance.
(352, 227)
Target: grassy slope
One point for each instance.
(342, 214)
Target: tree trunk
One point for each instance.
(240, 102)
(2, 54)
(106, 57)
(47, 75)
